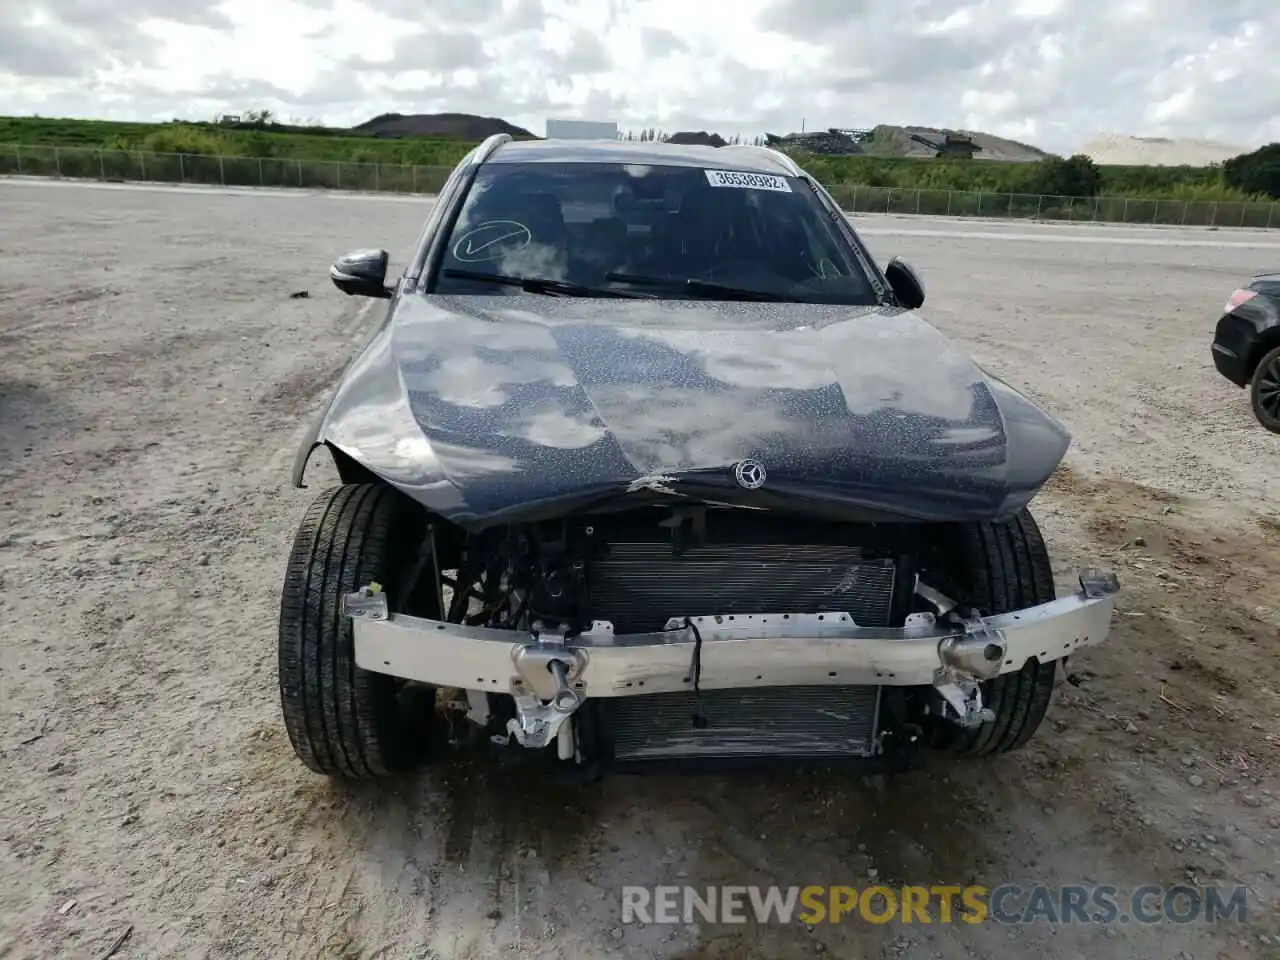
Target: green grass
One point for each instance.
(1008, 177)
(280, 148)
(213, 140)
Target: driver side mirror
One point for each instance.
(905, 282)
(362, 273)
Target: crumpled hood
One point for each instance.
(510, 407)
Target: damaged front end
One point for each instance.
(603, 656)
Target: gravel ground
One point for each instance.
(156, 377)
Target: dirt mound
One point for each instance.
(832, 142)
(459, 126)
(701, 139)
(892, 141)
(1115, 149)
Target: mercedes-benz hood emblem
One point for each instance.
(750, 474)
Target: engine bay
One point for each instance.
(637, 570)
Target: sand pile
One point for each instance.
(1117, 149)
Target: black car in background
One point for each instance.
(1246, 345)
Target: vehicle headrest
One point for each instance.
(537, 210)
(704, 200)
(609, 229)
(704, 213)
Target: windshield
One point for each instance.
(660, 231)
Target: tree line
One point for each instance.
(1251, 176)
(652, 134)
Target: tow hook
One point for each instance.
(544, 692)
(548, 671)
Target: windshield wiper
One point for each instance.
(541, 285)
(704, 287)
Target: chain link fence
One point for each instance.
(132, 165)
(857, 198)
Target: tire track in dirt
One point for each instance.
(1189, 683)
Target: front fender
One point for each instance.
(318, 434)
(307, 447)
(371, 433)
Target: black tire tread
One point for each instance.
(341, 720)
(1268, 422)
(1005, 567)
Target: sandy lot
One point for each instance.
(155, 378)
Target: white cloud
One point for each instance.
(1057, 72)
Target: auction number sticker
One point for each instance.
(747, 181)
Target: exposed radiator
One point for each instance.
(792, 722)
(641, 584)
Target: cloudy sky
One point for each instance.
(1055, 73)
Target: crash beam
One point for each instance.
(734, 650)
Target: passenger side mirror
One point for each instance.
(907, 286)
(362, 273)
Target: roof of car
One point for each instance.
(656, 153)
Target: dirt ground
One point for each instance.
(155, 377)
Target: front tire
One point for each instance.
(999, 568)
(343, 721)
(1264, 391)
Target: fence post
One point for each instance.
(222, 171)
(1124, 211)
(299, 173)
(1271, 212)
(949, 192)
(1244, 208)
(260, 183)
(337, 174)
(414, 178)
(182, 168)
